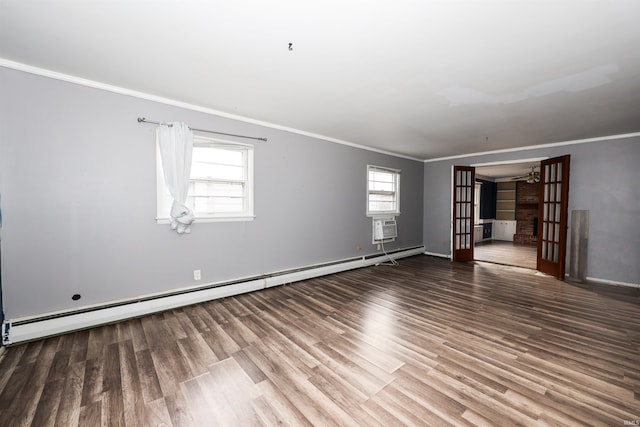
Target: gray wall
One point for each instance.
(78, 185)
(605, 180)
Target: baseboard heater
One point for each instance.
(35, 327)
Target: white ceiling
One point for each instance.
(426, 79)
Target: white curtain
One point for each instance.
(176, 145)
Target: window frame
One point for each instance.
(396, 192)
(247, 214)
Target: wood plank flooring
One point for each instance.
(507, 253)
(427, 343)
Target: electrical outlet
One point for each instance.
(378, 246)
(196, 275)
(359, 248)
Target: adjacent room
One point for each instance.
(342, 213)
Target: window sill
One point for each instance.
(382, 214)
(211, 219)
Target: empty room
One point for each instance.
(325, 214)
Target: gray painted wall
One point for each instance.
(604, 180)
(78, 185)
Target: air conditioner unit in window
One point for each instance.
(384, 230)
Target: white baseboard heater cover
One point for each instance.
(30, 328)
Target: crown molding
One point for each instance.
(535, 147)
(18, 66)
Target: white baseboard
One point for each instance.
(438, 255)
(612, 282)
(47, 324)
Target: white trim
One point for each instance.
(612, 282)
(447, 256)
(202, 219)
(141, 306)
(187, 106)
(535, 147)
(509, 162)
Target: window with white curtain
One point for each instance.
(383, 191)
(220, 185)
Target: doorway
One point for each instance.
(548, 212)
(508, 213)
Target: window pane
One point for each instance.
(382, 206)
(212, 205)
(225, 156)
(382, 187)
(216, 171)
(218, 163)
(215, 197)
(217, 189)
(375, 175)
(382, 202)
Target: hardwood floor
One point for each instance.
(507, 253)
(425, 343)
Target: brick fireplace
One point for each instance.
(527, 197)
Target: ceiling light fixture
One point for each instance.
(531, 178)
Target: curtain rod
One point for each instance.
(144, 120)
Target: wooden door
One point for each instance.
(552, 216)
(464, 179)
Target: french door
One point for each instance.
(464, 179)
(552, 216)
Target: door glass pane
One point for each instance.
(543, 255)
(558, 192)
(556, 236)
(551, 213)
(552, 176)
(557, 212)
(559, 166)
(544, 230)
(555, 252)
(546, 192)
(547, 176)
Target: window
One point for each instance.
(221, 183)
(383, 191)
